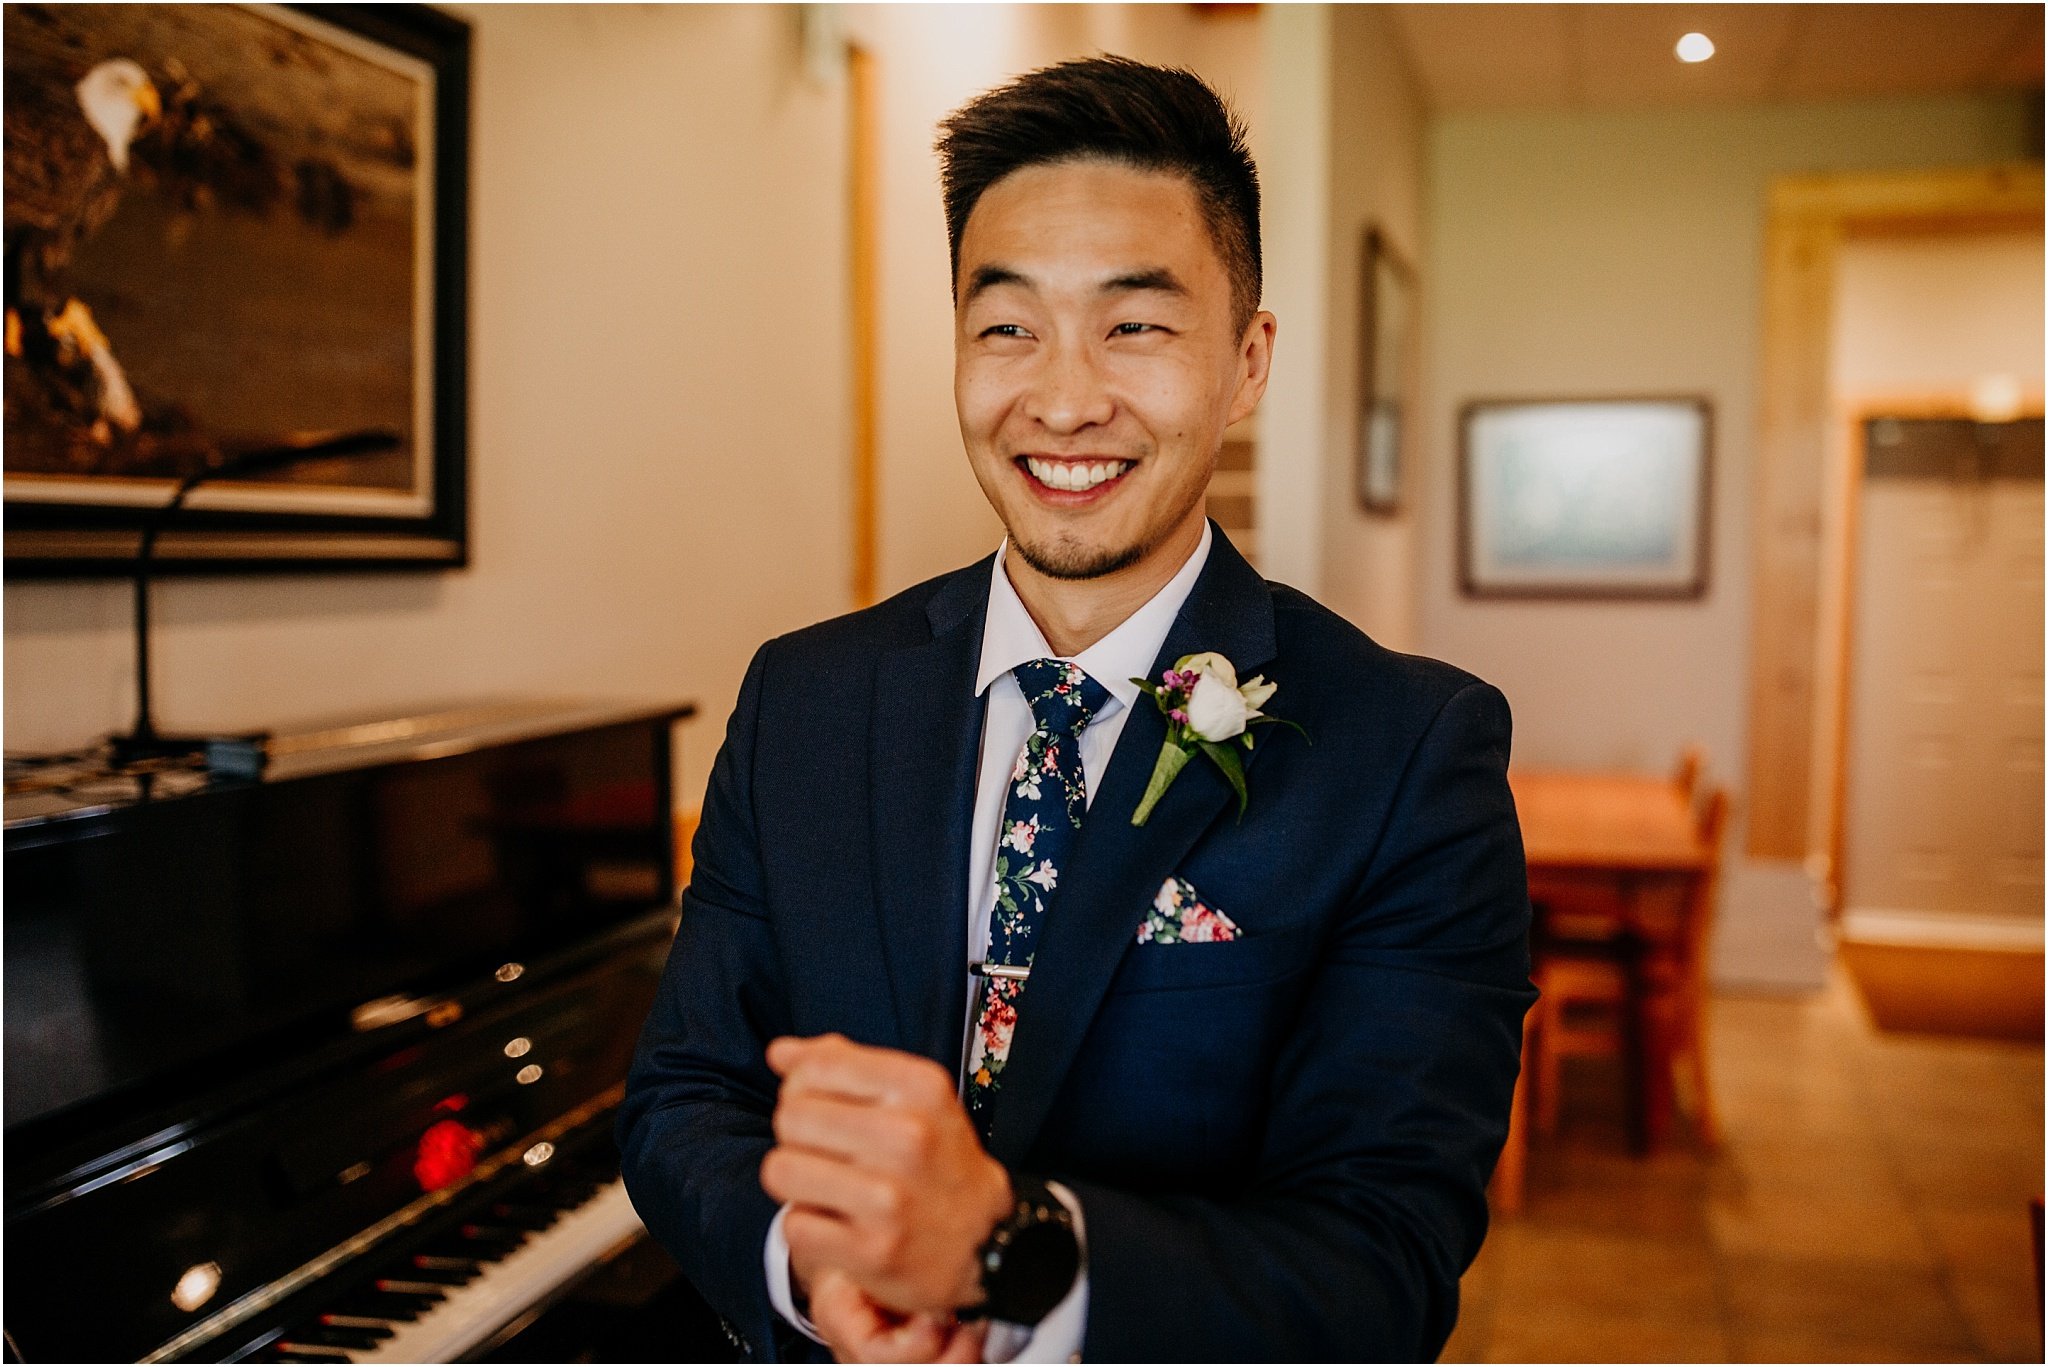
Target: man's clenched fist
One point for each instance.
(886, 1179)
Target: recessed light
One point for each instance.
(1695, 47)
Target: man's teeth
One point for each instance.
(1059, 474)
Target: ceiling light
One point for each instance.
(1695, 47)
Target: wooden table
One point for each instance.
(1629, 842)
(1610, 825)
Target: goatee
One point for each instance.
(1065, 560)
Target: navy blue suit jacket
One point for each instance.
(1280, 1143)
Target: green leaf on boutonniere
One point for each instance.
(1294, 726)
(1172, 759)
(1233, 769)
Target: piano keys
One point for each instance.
(321, 1065)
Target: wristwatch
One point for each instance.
(1030, 1259)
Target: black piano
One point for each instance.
(319, 1063)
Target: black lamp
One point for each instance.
(144, 742)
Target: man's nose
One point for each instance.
(1070, 391)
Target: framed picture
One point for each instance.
(1385, 357)
(1586, 498)
(231, 230)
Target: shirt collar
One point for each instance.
(1009, 637)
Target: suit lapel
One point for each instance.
(926, 739)
(1117, 868)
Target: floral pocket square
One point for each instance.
(1178, 916)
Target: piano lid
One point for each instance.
(167, 931)
(82, 783)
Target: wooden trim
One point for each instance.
(864, 194)
(686, 834)
(1809, 218)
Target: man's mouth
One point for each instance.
(1073, 476)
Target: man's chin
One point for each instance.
(1072, 560)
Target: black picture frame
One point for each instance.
(1568, 466)
(52, 536)
(1386, 356)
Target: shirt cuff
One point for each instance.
(1057, 1337)
(781, 1295)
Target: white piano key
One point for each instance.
(507, 1288)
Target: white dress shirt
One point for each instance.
(1009, 637)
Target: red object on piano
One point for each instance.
(447, 1151)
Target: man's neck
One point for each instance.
(1073, 614)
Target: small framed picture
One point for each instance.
(1385, 358)
(1584, 498)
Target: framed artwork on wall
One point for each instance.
(1584, 498)
(1386, 341)
(230, 230)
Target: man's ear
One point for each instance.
(1255, 365)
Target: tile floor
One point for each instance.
(1868, 1203)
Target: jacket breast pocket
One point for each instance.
(1245, 962)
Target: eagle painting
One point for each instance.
(210, 242)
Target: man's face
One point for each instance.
(1095, 362)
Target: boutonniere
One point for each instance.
(1210, 712)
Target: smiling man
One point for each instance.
(1021, 1007)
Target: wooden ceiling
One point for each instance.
(1597, 56)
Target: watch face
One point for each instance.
(1036, 1269)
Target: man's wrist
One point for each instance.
(1031, 1258)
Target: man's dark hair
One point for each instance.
(1112, 109)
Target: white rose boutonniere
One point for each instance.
(1206, 710)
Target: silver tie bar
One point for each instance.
(1014, 972)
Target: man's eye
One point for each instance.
(1133, 329)
(1005, 330)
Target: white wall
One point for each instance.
(659, 436)
(1294, 441)
(1586, 254)
(1368, 570)
(1345, 140)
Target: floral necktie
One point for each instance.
(1041, 816)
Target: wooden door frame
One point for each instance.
(1798, 493)
(864, 209)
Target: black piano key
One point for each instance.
(407, 1286)
(523, 1216)
(330, 1336)
(448, 1263)
(431, 1276)
(384, 1305)
(376, 1328)
(486, 1235)
(481, 1252)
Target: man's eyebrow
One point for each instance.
(1157, 278)
(988, 277)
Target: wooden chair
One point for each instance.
(1692, 762)
(1595, 1001)
(1695, 986)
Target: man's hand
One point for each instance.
(886, 1179)
(859, 1330)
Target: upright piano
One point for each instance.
(319, 1063)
